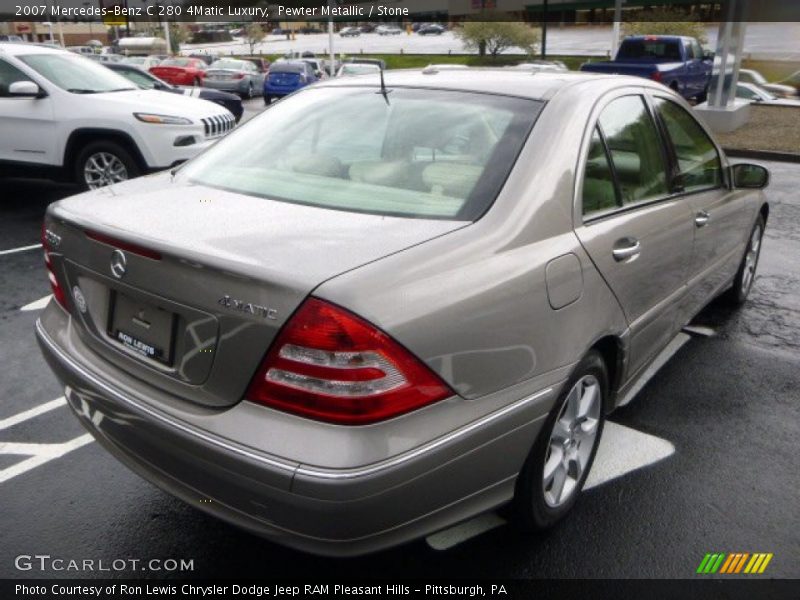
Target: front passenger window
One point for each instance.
(698, 161)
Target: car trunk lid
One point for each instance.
(209, 277)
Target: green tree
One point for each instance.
(494, 37)
(664, 21)
(253, 34)
(178, 34)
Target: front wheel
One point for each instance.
(743, 282)
(103, 163)
(556, 469)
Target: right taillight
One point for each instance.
(58, 291)
(331, 365)
(656, 76)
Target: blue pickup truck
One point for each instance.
(678, 62)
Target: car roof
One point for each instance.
(541, 85)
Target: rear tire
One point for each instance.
(102, 163)
(559, 462)
(248, 95)
(267, 100)
(197, 82)
(746, 275)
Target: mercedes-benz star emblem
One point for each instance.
(119, 264)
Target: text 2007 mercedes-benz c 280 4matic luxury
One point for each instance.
(377, 310)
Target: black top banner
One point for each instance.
(394, 11)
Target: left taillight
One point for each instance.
(58, 291)
(330, 365)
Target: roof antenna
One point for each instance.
(384, 92)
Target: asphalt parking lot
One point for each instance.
(704, 460)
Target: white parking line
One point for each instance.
(21, 249)
(40, 454)
(621, 451)
(32, 412)
(37, 304)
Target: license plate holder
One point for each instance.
(141, 327)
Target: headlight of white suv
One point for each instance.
(162, 119)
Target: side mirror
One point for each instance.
(749, 176)
(26, 89)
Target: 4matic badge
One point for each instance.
(248, 307)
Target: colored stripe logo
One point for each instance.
(733, 563)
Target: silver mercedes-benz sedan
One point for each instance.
(373, 312)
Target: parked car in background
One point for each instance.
(233, 75)
(320, 72)
(206, 58)
(677, 62)
(755, 93)
(147, 81)
(756, 78)
(541, 65)
(350, 69)
(285, 77)
(388, 30)
(181, 71)
(66, 117)
(11, 38)
(792, 81)
(431, 29)
(83, 49)
(305, 362)
(350, 32)
(262, 64)
(143, 62)
(106, 58)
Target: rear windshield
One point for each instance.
(417, 153)
(286, 68)
(238, 65)
(654, 49)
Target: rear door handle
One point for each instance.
(701, 219)
(626, 248)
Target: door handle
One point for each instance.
(702, 218)
(626, 248)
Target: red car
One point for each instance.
(181, 71)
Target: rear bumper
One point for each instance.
(336, 512)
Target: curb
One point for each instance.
(763, 155)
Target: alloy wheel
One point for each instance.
(572, 441)
(103, 168)
(751, 259)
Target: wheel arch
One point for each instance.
(80, 137)
(611, 350)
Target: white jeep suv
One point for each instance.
(63, 116)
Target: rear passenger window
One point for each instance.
(635, 148)
(698, 162)
(599, 194)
